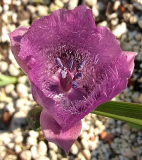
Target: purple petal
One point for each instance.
(53, 132)
(130, 59)
(73, 35)
(15, 39)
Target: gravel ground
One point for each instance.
(101, 138)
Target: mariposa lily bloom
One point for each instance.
(73, 67)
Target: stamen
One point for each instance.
(81, 65)
(58, 61)
(63, 74)
(78, 75)
(70, 64)
(74, 84)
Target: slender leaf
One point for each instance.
(128, 112)
(5, 80)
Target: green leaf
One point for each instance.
(128, 112)
(5, 80)
(33, 118)
(135, 126)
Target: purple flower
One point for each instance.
(73, 67)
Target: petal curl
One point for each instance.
(130, 59)
(15, 39)
(53, 132)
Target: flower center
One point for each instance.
(68, 78)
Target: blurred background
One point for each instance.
(101, 138)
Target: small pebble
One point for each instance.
(42, 148)
(25, 155)
(31, 141)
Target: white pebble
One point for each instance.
(119, 30)
(18, 139)
(22, 90)
(3, 66)
(25, 155)
(13, 70)
(42, 10)
(33, 133)
(10, 145)
(31, 141)
(53, 146)
(74, 149)
(10, 107)
(72, 4)
(116, 5)
(9, 88)
(43, 158)
(42, 148)
(87, 153)
(34, 152)
(53, 155)
(17, 148)
(84, 144)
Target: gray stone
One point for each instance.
(138, 36)
(18, 119)
(137, 6)
(135, 96)
(140, 22)
(133, 19)
(140, 98)
(136, 48)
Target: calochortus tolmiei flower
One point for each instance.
(73, 67)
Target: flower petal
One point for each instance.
(130, 59)
(53, 132)
(67, 35)
(15, 39)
